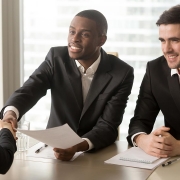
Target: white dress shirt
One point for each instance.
(173, 71)
(86, 78)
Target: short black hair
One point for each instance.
(171, 16)
(96, 16)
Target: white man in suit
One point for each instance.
(160, 90)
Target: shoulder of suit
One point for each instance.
(160, 59)
(59, 50)
(117, 61)
(159, 64)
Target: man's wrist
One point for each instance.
(83, 146)
(138, 138)
(91, 146)
(11, 108)
(11, 113)
(135, 135)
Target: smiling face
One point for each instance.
(84, 41)
(169, 35)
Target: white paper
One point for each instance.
(116, 160)
(60, 137)
(46, 152)
(136, 154)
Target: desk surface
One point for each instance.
(88, 166)
(171, 172)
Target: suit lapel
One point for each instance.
(75, 81)
(101, 78)
(174, 87)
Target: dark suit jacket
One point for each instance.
(159, 91)
(103, 110)
(7, 150)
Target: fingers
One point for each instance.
(64, 154)
(10, 116)
(162, 145)
(162, 150)
(157, 154)
(14, 129)
(159, 143)
(161, 131)
(59, 153)
(58, 150)
(13, 122)
(159, 150)
(8, 125)
(155, 145)
(163, 142)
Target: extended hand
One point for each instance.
(10, 117)
(8, 126)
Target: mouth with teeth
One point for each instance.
(171, 57)
(75, 49)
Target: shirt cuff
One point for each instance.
(91, 146)
(132, 138)
(11, 108)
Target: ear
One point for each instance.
(102, 40)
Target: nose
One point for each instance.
(167, 47)
(76, 37)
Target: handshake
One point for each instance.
(9, 126)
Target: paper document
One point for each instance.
(60, 137)
(143, 160)
(46, 152)
(136, 154)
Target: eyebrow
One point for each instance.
(171, 38)
(81, 29)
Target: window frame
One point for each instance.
(11, 47)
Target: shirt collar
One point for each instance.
(174, 71)
(92, 68)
